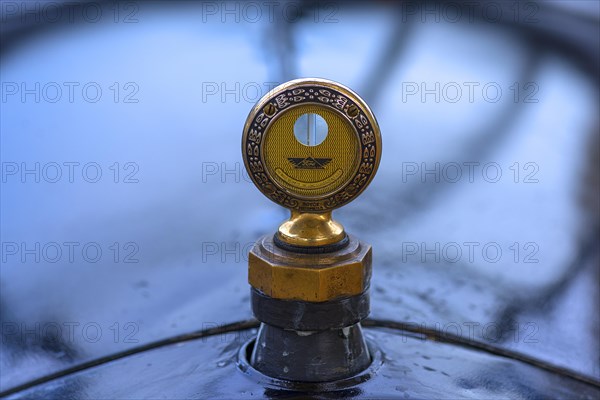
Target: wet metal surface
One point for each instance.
(408, 367)
(189, 215)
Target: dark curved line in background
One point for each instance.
(571, 33)
(427, 334)
(546, 298)
(582, 51)
(388, 58)
(415, 197)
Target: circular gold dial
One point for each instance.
(311, 145)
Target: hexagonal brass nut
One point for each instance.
(286, 275)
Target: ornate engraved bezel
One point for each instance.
(317, 92)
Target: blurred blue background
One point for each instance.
(126, 213)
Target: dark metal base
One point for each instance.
(310, 356)
(307, 316)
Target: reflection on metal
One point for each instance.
(310, 280)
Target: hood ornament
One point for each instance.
(311, 146)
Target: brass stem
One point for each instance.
(311, 229)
